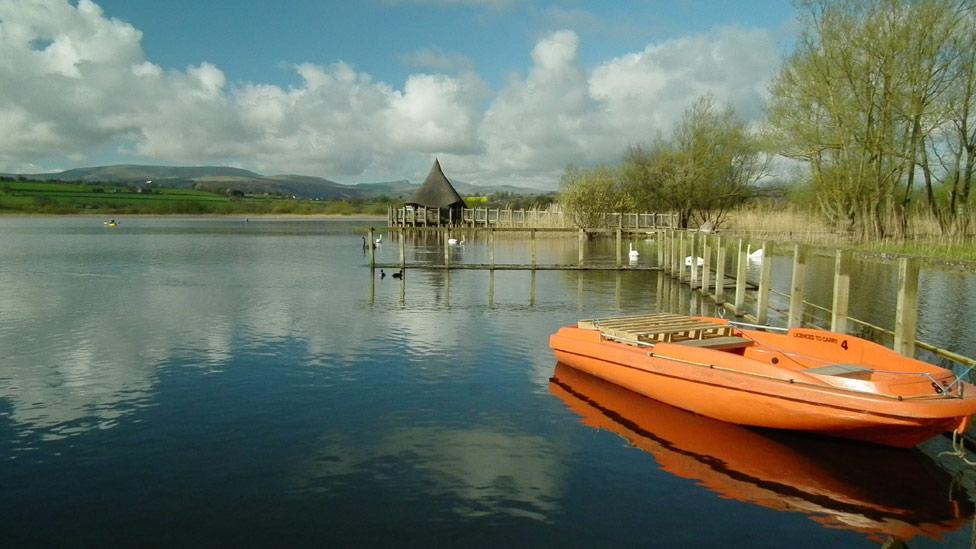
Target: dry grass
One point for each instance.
(791, 224)
(787, 224)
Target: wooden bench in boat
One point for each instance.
(843, 370)
(667, 328)
(719, 343)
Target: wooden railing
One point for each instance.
(536, 219)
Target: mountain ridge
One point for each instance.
(226, 179)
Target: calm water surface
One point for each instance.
(214, 382)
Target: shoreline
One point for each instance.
(264, 217)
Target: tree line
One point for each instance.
(877, 102)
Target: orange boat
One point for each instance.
(878, 491)
(803, 379)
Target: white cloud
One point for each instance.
(562, 114)
(76, 82)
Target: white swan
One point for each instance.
(456, 242)
(756, 256)
(379, 240)
(633, 254)
(699, 261)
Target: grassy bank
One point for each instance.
(30, 197)
(788, 225)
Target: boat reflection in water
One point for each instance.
(880, 491)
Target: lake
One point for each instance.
(201, 382)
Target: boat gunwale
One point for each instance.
(791, 381)
(895, 415)
(836, 392)
(900, 398)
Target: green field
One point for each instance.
(78, 198)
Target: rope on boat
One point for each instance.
(959, 378)
(958, 449)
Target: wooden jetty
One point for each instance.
(423, 217)
(721, 277)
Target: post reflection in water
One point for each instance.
(882, 492)
(625, 291)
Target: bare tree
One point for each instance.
(864, 99)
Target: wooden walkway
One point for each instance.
(515, 267)
(487, 218)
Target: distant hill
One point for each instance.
(134, 173)
(222, 178)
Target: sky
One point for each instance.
(500, 91)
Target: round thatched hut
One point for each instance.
(437, 192)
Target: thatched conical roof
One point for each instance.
(437, 191)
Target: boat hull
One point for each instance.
(686, 379)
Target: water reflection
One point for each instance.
(485, 471)
(885, 493)
(89, 318)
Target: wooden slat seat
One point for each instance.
(720, 343)
(845, 370)
(659, 327)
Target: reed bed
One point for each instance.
(791, 224)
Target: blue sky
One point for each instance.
(503, 91)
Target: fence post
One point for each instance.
(842, 289)
(447, 250)
(740, 279)
(582, 243)
(371, 246)
(906, 319)
(706, 265)
(680, 260)
(403, 255)
(659, 237)
(532, 237)
(667, 250)
(491, 248)
(619, 244)
(676, 246)
(797, 286)
(762, 299)
(719, 270)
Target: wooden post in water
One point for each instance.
(619, 245)
(666, 246)
(906, 319)
(680, 259)
(582, 244)
(706, 266)
(660, 292)
(842, 292)
(491, 249)
(371, 246)
(532, 237)
(672, 251)
(491, 289)
(797, 286)
(675, 246)
(719, 271)
(740, 279)
(765, 271)
(659, 238)
(447, 250)
(403, 255)
(694, 263)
